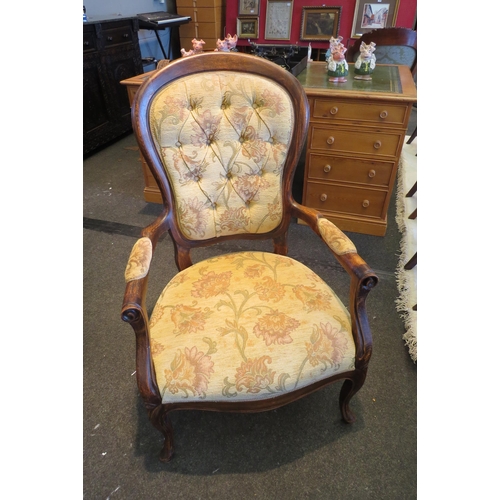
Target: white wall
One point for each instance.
(113, 8)
(98, 9)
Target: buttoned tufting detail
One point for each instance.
(218, 135)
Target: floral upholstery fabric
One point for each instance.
(246, 326)
(223, 139)
(335, 238)
(139, 260)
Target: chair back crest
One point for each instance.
(223, 141)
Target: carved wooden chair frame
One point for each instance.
(362, 278)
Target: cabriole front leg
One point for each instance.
(349, 388)
(159, 418)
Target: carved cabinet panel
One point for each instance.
(110, 54)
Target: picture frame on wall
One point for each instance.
(248, 7)
(248, 27)
(373, 15)
(278, 19)
(320, 23)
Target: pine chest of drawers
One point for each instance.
(356, 133)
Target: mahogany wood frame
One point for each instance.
(363, 279)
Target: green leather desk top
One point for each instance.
(386, 79)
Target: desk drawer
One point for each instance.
(336, 168)
(117, 36)
(347, 200)
(360, 112)
(374, 142)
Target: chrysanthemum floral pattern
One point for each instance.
(247, 325)
(251, 324)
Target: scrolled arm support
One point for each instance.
(131, 315)
(360, 326)
(363, 279)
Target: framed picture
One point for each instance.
(373, 15)
(278, 19)
(320, 23)
(248, 7)
(248, 27)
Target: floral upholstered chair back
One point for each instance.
(222, 138)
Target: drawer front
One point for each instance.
(202, 14)
(118, 36)
(337, 140)
(201, 30)
(89, 42)
(335, 168)
(188, 31)
(200, 3)
(346, 200)
(210, 30)
(360, 112)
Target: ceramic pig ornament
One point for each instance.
(197, 48)
(336, 63)
(226, 45)
(365, 64)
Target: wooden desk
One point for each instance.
(151, 190)
(356, 134)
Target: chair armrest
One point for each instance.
(137, 270)
(134, 308)
(139, 259)
(341, 246)
(363, 279)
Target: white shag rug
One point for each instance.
(407, 280)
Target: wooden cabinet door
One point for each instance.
(96, 103)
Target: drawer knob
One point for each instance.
(384, 114)
(330, 140)
(327, 168)
(125, 35)
(366, 203)
(377, 144)
(334, 110)
(86, 44)
(371, 173)
(110, 38)
(323, 197)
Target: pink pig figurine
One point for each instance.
(226, 45)
(197, 48)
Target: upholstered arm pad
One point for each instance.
(338, 242)
(139, 260)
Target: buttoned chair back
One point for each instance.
(247, 330)
(223, 145)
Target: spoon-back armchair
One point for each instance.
(248, 331)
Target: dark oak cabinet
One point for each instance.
(111, 53)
